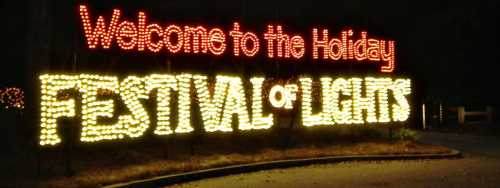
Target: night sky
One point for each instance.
(448, 47)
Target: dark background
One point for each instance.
(448, 48)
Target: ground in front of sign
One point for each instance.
(108, 164)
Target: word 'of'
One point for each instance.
(286, 95)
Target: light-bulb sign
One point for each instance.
(141, 36)
(254, 101)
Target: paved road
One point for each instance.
(479, 168)
(471, 145)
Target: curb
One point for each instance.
(253, 167)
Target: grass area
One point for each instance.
(103, 164)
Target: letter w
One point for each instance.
(99, 32)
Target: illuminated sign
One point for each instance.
(173, 39)
(341, 100)
(216, 107)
